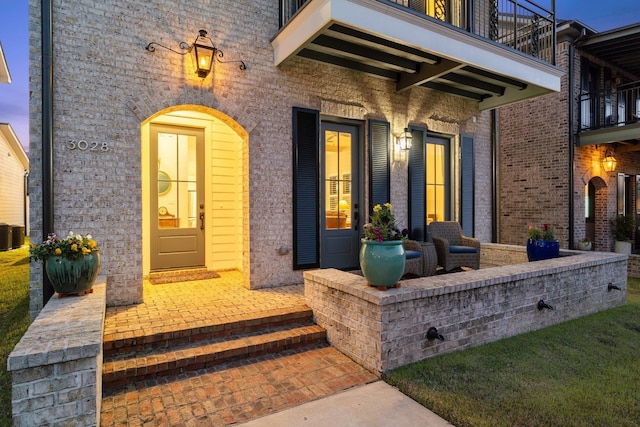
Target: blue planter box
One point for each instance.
(542, 249)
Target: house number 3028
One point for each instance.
(84, 145)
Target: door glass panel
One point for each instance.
(177, 206)
(338, 180)
(435, 182)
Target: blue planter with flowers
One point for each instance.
(542, 244)
(542, 249)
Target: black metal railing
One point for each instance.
(616, 106)
(522, 25)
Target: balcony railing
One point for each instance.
(522, 25)
(616, 106)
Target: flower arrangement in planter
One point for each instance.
(72, 247)
(382, 225)
(72, 263)
(542, 243)
(382, 257)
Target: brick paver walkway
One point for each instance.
(227, 394)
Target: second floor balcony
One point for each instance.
(612, 115)
(495, 52)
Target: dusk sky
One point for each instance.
(14, 97)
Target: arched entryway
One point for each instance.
(194, 191)
(596, 219)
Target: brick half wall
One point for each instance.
(383, 330)
(56, 368)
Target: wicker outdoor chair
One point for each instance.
(413, 253)
(453, 248)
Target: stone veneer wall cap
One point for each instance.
(456, 282)
(66, 329)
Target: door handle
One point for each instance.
(201, 220)
(356, 217)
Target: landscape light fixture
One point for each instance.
(202, 53)
(609, 162)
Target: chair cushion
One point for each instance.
(411, 254)
(454, 249)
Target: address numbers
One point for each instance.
(84, 145)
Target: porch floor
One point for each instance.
(231, 393)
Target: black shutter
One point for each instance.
(379, 164)
(306, 233)
(417, 187)
(467, 183)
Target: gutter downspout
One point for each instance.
(570, 84)
(494, 176)
(46, 11)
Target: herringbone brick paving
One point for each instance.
(225, 394)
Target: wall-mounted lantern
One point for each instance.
(202, 53)
(402, 145)
(404, 141)
(609, 162)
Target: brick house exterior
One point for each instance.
(108, 93)
(551, 148)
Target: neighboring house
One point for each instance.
(552, 149)
(14, 167)
(273, 167)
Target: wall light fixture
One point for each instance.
(202, 53)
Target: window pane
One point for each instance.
(338, 179)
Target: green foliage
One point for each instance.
(545, 234)
(14, 317)
(623, 227)
(580, 373)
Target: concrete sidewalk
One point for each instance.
(374, 405)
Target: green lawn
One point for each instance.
(585, 372)
(14, 316)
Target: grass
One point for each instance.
(585, 372)
(14, 316)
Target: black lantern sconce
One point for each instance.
(202, 53)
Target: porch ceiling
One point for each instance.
(620, 46)
(384, 40)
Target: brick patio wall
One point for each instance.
(633, 266)
(383, 330)
(56, 367)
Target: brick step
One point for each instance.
(120, 370)
(162, 337)
(173, 276)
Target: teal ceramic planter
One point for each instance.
(73, 276)
(382, 263)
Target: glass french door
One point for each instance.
(339, 204)
(177, 197)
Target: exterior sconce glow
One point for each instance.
(202, 53)
(402, 146)
(404, 140)
(609, 162)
